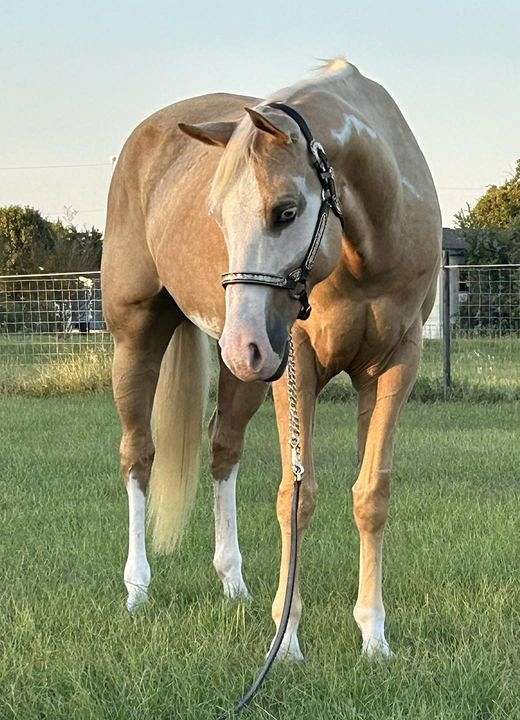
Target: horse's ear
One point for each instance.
(266, 125)
(213, 133)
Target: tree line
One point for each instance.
(30, 243)
(491, 228)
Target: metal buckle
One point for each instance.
(295, 275)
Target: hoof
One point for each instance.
(377, 649)
(137, 597)
(236, 591)
(289, 651)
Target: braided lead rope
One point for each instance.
(294, 419)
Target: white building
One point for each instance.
(456, 246)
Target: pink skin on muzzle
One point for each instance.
(245, 344)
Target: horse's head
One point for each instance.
(266, 197)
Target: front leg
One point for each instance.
(227, 559)
(141, 337)
(237, 403)
(379, 406)
(307, 389)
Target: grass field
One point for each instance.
(69, 650)
(483, 369)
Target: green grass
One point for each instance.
(69, 650)
(52, 365)
(85, 372)
(484, 370)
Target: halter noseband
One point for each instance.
(295, 282)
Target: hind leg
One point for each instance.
(237, 403)
(141, 332)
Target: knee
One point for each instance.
(223, 459)
(371, 500)
(306, 507)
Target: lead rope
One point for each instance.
(297, 471)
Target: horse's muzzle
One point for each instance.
(251, 359)
(255, 336)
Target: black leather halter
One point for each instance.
(295, 282)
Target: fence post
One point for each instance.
(446, 324)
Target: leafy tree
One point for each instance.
(499, 207)
(75, 249)
(492, 227)
(26, 240)
(31, 244)
(492, 231)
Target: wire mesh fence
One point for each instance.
(49, 317)
(471, 345)
(481, 328)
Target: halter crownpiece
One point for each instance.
(295, 282)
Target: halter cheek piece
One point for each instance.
(295, 282)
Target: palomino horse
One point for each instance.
(224, 183)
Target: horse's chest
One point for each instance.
(356, 336)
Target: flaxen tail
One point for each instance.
(177, 420)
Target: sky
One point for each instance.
(77, 77)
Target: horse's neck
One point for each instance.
(367, 174)
(371, 199)
(368, 178)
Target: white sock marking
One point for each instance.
(290, 648)
(371, 622)
(227, 559)
(137, 570)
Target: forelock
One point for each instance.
(247, 151)
(239, 153)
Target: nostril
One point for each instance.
(255, 357)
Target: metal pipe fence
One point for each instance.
(471, 341)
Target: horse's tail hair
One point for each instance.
(177, 421)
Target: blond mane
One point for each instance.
(333, 65)
(241, 151)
